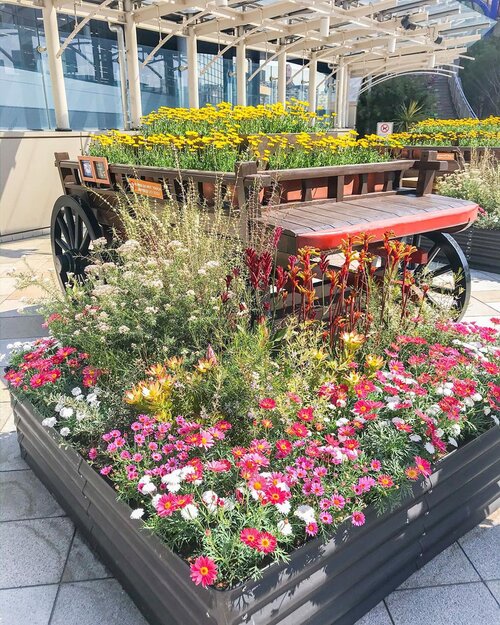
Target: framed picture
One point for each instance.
(86, 169)
(94, 169)
(101, 171)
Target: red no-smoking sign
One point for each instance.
(384, 128)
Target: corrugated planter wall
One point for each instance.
(481, 248)
(332, 583)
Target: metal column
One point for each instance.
(313, 76)
(339, 97)
(134, 81)
(241, 72)
(192, 63)
(51, 29)
(282, 78)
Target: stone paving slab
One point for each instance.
(98, 602)
(34, 552)
(82, 563)
(457, 604)
(23, 606)
(10, 456)
(23, 496)
(449, 567)
(481, 543)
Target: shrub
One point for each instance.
(480, 183)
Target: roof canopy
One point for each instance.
(368, 35)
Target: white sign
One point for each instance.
(384, 128)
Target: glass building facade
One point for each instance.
(92, 76)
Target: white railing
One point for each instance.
(459, 99)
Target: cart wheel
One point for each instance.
(446, 272)
(73, 227)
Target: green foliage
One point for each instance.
(480, 183)
(481, 76)
(408, 114)
(382, 102)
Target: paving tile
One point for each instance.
(479, 309)
(18, 327)
(377, 616)
(102, 602)
(450, 566)
(495, 305)
(461, 604)
(27, 606)
(34, 552)
(8, 425)
(482, 546)
(488, 296)
(10, 454)
(494, 587)
(83, 563)
(5, 409)
(23, 496)
(16, 308)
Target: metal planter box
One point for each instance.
(332, 583)
(481, 248)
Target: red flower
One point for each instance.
(267, 403)
(412, 473)
(249, 536)
(283, 448)
(266, 542)
(275, 495)
(306, 414)
(385, 480)
(298, 429)
(166, 505)
(423, 466)
(203, 571)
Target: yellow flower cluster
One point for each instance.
(463, 132)
(293, 116)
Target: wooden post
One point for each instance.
(427, 172)
(242, 170)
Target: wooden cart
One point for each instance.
(318, 207)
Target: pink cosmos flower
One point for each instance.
(423, 466)
(203, 571)
(358, 518)
(338, 501)
(326, 518)
(312, 528)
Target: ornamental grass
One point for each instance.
(236, 432)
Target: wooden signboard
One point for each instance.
(146, 187)
(94, 169)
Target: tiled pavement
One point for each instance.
(49, 576)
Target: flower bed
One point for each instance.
(453, 132)
(244, 439)
(216, 138)
(331, 583)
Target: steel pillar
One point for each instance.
(49, 15)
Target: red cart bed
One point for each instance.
(324, 224)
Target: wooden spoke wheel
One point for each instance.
(444, 270)
(73, 227)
